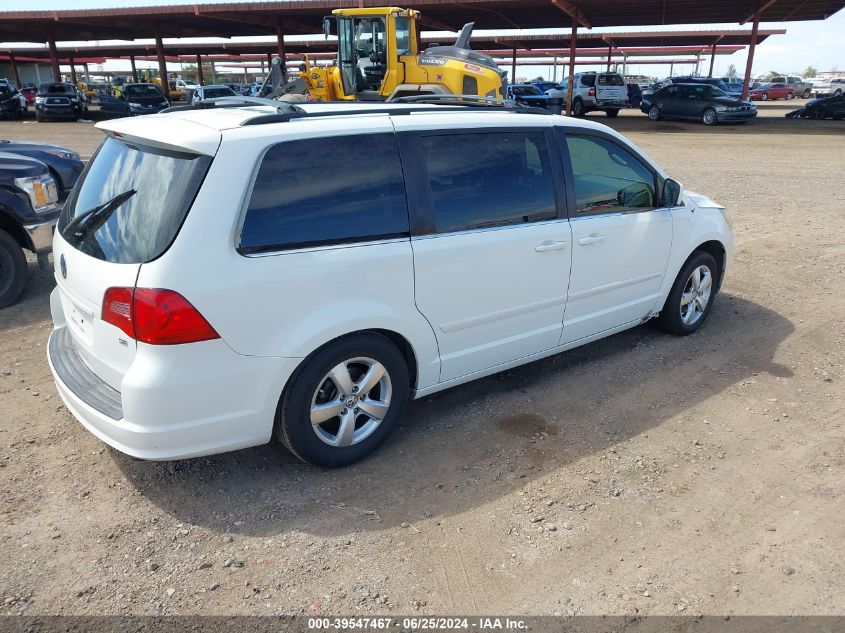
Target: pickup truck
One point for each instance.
(28, 214)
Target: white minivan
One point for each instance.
(226, 275)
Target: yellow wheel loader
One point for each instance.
(379, 59)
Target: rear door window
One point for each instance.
(484, 180)
(331, 190)
(588, 80)
(611, 80)
(145, 223)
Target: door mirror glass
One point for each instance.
(671, 193)
(327, 27)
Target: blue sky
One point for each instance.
(818, 44)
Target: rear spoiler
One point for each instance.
(164, 132)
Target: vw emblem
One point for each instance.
(352, 401)
(63, 266)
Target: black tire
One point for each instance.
(709, 117)
(612, 113)
(293, 420)
(13, 269)
(806, 94)
(670, 316)
(578, 108)
(654, 113)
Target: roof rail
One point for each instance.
(471, 101)
(236, 101)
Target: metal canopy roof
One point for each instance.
(621, 42)
(304, 16)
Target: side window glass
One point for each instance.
(486, 180)
(609, 178)
(403, 36)
(324, 191)
(588, 80)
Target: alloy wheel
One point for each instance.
(696, 295)
(351, 401)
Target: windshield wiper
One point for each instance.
(92, 219)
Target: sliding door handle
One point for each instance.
(549, 245)
(593, 238)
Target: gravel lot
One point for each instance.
(640, 474)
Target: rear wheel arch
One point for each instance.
(398, 340)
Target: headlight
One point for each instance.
(132, 104)
(64, 155)
(74, 99)
(40, 99)
(41, 191)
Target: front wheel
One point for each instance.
(13, 269)
(709, 117)
(692, 295)
(612, 113)
(344, 401)
(578, 108)
(789, 96)
(764, 96)
(654, 113)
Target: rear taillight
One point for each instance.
(117, 309)
(591, 92)
(155, 316)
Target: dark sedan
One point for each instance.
(528, 94)
(698, 102)
(822, 108)
(59, 100)
(135, 100)
(64, 164)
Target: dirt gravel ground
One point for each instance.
(643, 474)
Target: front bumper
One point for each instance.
(175, 402)
(41, 235)
(727, 117)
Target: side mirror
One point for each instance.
(327, 27)
(672, 190)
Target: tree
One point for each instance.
(810, 72)
(732, 70)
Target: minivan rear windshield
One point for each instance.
(144, 225)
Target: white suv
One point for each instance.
(230, 274)
(594, 91)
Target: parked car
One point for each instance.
(822, 108)
(830, 88)
(28, 212)
(59, 100)
(527, 94)
(135, 100)
(699, 102)
(64, 164)
(635, 95)
(800, 88)
(594, 91)
(211, 92)
(735, 91)
(11, 105)
(771, 92)
(219, 298)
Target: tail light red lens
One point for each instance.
(592, 92)
(155, 316)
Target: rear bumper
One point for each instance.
(199, 400)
